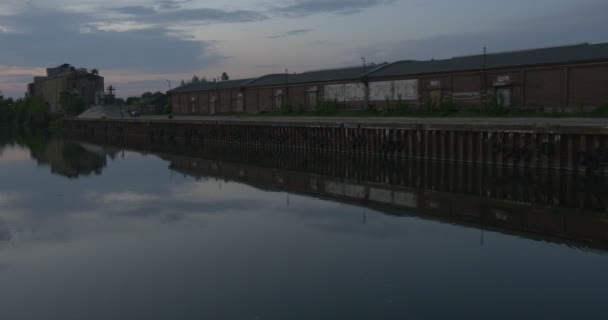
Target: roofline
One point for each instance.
(522, 50)
(605, 60)
(331, 69)
(367, 74)
(260, 77)
(188, 91)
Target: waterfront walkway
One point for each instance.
(115, 114)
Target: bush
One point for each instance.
(71, 103)
(601, 111)
(167, 109)
(31, 112)
(300, 109)
(492, 106)
(327, 107)
(286, 109)
(398, 107)
(371, 108)
(442, 106)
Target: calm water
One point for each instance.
(94, 232)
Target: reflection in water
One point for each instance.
(69, 159)
(543, 204)
(218, 237)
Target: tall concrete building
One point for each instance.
(66, 78)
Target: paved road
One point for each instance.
(114, 113)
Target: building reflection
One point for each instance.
(73, 160)
(561, 206)
(66, 158)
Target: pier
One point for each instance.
(563, 144)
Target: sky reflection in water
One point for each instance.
(113, 235)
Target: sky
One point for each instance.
(140, 45)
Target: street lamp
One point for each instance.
(286, 102)
(363, 58)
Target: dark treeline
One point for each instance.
(149, 102)
(36, 112)
(32, 112)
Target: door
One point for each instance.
(435, 96)
(212, 105)
(311, 99)
(239, 103)
(503, 96)
(278, 102)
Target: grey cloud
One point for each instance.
(587, 26)
(292, 33)
(345, 7)
(5, 231)
(53, 37)
(206, 15)
(201, 15)
(136, 10)
(16, 78)
(169, 5)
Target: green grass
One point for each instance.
(419, 112)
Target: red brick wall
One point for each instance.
(265, 99)
(182, 105)
(297, 96)
(466, 89)
(174, 102)
(203, 102)
(192, 103)
(545, 88)
(251, 100)
(225, 101)
(588, 86)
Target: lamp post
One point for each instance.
(364, 66)
(366, 93)
(286, 88)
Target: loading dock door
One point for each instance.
(278, 102)
(435, 96)
(212, 105)
(239, 104)
(503, 96)
(311, 99)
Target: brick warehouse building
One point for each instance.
(209, 97)
(557, 77)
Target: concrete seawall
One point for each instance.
(566, 144)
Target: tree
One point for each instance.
(71, 103)
(225, 76)
(195, 79)
(33, 111)
(132, 100)
(6, 111)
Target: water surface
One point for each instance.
(102, 232)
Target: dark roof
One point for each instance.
(311, 76)
(270, 79)
(210, 85)
(564, 54)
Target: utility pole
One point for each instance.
(364, 66)
(286, 87)
(365, 84)
(483, 76)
